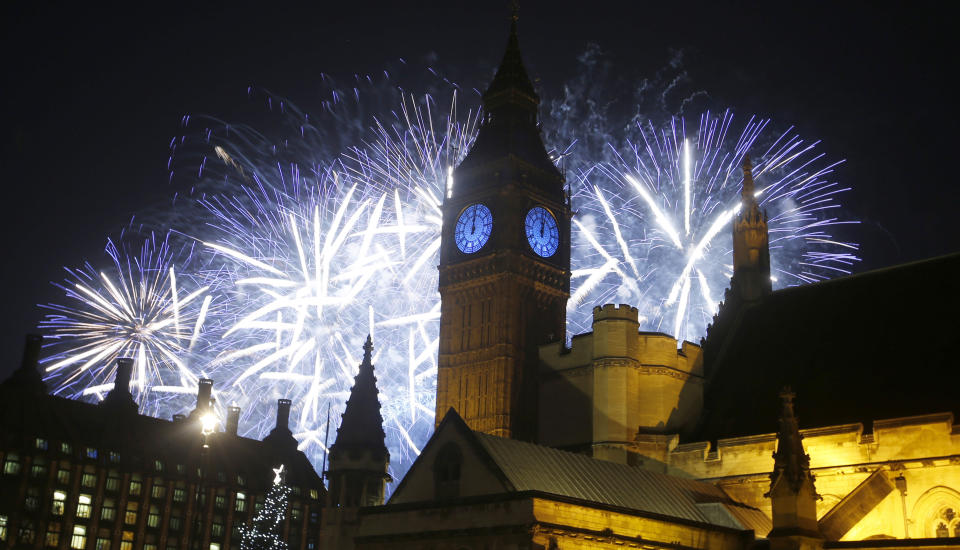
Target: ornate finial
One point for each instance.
(787, 395)
(515, 10)
(748, 189)
(368, 350)
(278, 475)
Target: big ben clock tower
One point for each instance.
(504, 262)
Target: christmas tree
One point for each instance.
(264, 533)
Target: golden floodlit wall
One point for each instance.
(614, 380)
(907, 472)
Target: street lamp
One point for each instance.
(208, 425)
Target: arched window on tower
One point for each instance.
(446, 471)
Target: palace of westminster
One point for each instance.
(621, 439)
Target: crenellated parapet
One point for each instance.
(615, 382)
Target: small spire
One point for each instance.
(790, 461)
(361, 425)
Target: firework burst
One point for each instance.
(140, 308)
(654, 223)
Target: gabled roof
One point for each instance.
(869, 346)
(528, 468)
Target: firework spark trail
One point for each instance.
(332, 231)
(134, 309)
(675, 196)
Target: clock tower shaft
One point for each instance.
(503, 298)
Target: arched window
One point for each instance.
(446, 471)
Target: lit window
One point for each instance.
(32, 501)
(108, 512)
(314, 518)
(53, 534)
(181, 469)
(175, 523)
(241, 481)
(3, 527)
(26, 533)
(214, 546)
(63, 476)
(216, 530)
(79, 539)
(42, 444)
(59, 503)
(148, 546)
(38, 470)
(89, 480)
(103, 543)
(114, 457)
(83, 506)
(11, 465)
(179, 495)
(153, 518)
(65, 448)
(135, 487)
(126, 541)
(220, 502)
(91, 452)
(113, 482)
(241, 502)
(295, 513)
(158, 465)
(313, 494)
(158, 491)
(130, 517)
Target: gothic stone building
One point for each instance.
(633, 439)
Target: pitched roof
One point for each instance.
(527, 467)
(853, 346)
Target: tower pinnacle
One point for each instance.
(747, 194)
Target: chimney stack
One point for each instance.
(233, 420)
(280, 437)
(28, 377)
(204, 390)
(283, 414)
(120, 397)
(121, 381)
(31, 352)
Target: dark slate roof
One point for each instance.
(508, 143)
(511, 74)
(530, 467)
(140, 439)
(855, 349)
(361, 427)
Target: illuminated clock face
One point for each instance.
(542, 232)
(473, 228)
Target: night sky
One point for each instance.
(92, 97)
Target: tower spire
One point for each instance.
(511, 85)
(747, 193)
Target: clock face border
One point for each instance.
(545, 246)
(477, 238)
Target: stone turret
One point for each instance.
(792, 492)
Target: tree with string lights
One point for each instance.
(264, 533)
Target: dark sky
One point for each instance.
(92, 96)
